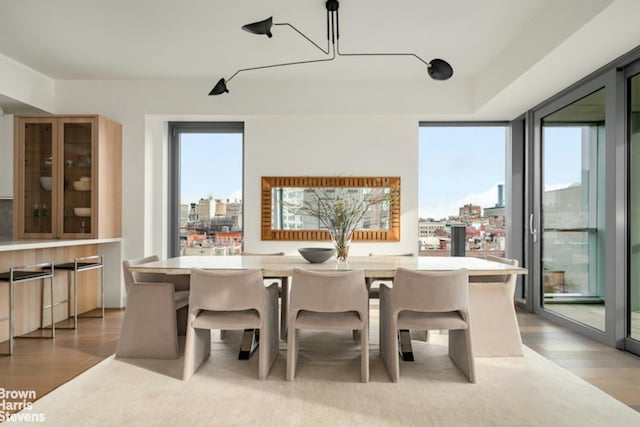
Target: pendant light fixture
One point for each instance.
(437, 69)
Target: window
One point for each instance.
(206, 188)
(462, 190)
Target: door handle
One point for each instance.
(532, 230)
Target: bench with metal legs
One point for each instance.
(78, 265)
(17, 275)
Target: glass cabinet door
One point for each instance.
(38, 178)
(77, 177)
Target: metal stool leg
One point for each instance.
(75, 295)
(102, 286)
(23, 274)
(50, 306)
(12, 315)
(53, 323)
(97, 265)
(79, 265)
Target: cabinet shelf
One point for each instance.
(93, 146)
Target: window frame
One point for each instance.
(176, 129)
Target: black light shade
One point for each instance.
(439, 69)
(219, 88)
(261, 27)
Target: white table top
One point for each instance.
(283, 266)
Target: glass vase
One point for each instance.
(341, 243)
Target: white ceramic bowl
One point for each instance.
(81, 185)
(45, 181)
(82, 211)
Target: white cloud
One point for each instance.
(553, 187)
(446, 208)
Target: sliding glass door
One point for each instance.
(583, 206)
(572, 211)
(633, 309)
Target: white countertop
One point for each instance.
(21, 245)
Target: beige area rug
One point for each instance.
(520, 391)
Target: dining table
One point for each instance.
(282, 267)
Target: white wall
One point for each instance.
(332, 145)
(25, 85)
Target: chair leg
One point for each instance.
(274, 337)
(149, 327)
(364, 357)
(389, 341)
(269, 335)
(292, 352)
(461, 352)
(197, 350)
(266, 355)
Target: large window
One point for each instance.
(462, 190)
(206, 212)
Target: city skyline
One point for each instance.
(457, 165)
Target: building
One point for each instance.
(184, 212)
(234, 210)
(470, 212)
(221, 207)
(205, 209)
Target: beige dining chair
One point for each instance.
(284, 288)
(374, 291)
(491, 306)
(426, 301)
(334, 300)
(156, 313)
(228, 300)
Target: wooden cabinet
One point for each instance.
(67, 177)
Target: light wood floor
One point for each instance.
(43, 365)
(613, 371)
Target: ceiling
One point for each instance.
(491, 44)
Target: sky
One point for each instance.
(457, 165)
(562, 156)
(210, 164)
(464, 164)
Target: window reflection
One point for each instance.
(634, 210)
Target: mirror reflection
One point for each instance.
(298, 208)
(293, 208)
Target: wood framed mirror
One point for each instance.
(280, 222)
